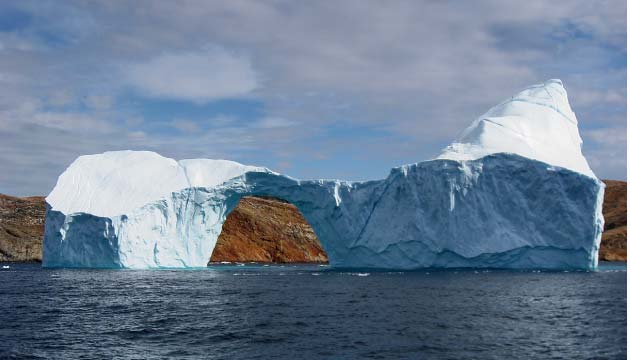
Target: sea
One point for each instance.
(254, 311)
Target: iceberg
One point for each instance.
(513, 191)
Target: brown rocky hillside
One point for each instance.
(614, 238)
(267, 230)
(21, 228)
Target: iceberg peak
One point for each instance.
(536, 123)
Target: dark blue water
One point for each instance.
(306, 312)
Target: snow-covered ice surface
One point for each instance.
(537, 123)
(116, 182)
(514, 191)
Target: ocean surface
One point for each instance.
(311, 312)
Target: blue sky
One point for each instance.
(326, 89)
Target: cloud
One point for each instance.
(99, 102)
(606, 152)
(185, 125)
(72, 122)
(593, 97)
(294, 82)
(36, 145)
(199, 76)
(61, 98)
(610, 136)
(273, 122)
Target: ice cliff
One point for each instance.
(514, 191)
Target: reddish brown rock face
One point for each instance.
(267, 230)
(21, 228)
(614, 238)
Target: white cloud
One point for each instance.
(12, 41)
(68, 121)
(185, 125)
(61, 98)
(222, 121)
(611, 136)
(201, 76)
(137, 136)
(593, 97)
(606, 151)
(99, 102)
(271, 122)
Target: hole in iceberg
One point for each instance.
(266, 229)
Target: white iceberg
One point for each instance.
(514, 191)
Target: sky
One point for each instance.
(312, 89)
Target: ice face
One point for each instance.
(485, 202)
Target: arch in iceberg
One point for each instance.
(514, 191)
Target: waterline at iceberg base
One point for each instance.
(513, 192)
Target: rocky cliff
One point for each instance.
(267, 230)
(614, 238)
(21, 228)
